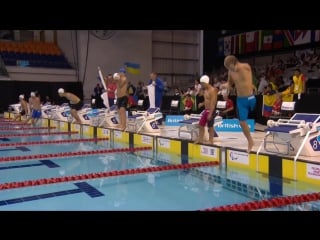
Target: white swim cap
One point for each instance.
(32, 94)
(60, 90)
(116, 76)
(204, 79)
(21, 96)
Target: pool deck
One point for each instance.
(235, 140)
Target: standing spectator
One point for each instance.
(98, 90)
(299, 82)
(159, 88)
(111, 89)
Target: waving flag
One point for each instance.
(268, 101)
(132, 68)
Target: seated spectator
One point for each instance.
(262, 84)
(145, 99)
(200, 101)
(229, 112)
(276, 108)
(269, 90)
(188, 104)
(47, 101)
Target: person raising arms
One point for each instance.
(240, 74)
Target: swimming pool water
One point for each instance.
(171, 190)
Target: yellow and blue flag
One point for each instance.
(133, 68)
(268, 101)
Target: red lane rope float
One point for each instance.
(71, 154)
(14, 123)
(37, 134)
(24, 128)
(7, 120)
(52, 142)
(88, 176)
(268, 203)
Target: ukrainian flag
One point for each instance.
(268, 101)
(132, 68)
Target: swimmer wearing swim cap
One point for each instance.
(208, 115)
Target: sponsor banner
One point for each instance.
(173, 120)
(227, 125)
(233, 125)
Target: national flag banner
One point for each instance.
(277, 39)
(227, 45)
(268, 101)
(221, 47)
(287, 97)
(242, 42)
(288, 39)
(252, 41)
(132, 68)
(302, 37)
(265, 40)
(235, 44)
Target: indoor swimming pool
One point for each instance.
(48, 170)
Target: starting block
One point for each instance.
(298, 135)
(62, 113)
(92, 116)
(144, 120)
(14, 108)
(191, 126)
(110, 117)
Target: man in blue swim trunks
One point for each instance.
(240, 75)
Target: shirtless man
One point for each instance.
(122, 97)
(24, 108)
(36, 108)
(75, 103)
(240, 75)
(208, 115)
